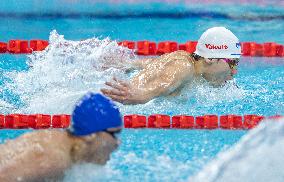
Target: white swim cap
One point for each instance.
(218, 42)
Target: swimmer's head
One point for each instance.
(95, 121)
(220, 49)
(94, 113)
(218, 42)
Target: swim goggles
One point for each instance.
(114, 134)
(233, 63)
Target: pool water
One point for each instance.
(68, 69)
(155, 155)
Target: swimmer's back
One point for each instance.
(177, 55)
(33, 146)
(180, 61)
(165, 74)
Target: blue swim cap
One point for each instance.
(94, 113)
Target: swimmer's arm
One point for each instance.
(141, 63)
(169, 79)
(139, 92)
(32, 158)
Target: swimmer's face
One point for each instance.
(219, 71)
(100, 147)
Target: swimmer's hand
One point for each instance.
(122, 92)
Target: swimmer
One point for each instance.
(46, 154)
(216, 58)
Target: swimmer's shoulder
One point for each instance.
(45, 135)
(182, 55)
(178, 59)
(51, 145)
(46, 138)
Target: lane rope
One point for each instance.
(149, 48)
(231, 121)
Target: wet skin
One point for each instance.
(165, 75)
(46, 154)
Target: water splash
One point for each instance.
(257, 157)
(90, 172)
(65, 71)
(196, 98)
(6, 107)
(158, 155)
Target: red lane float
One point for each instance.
(16, 121)
(207, 122)
(14, 46)
(3, 47)
(251, 121)
(183, 121)
(252, 49)
(167, 47)
(269, 49)
(259, 50)
(61, 121)
(23, 46)
(159, 121)
(189, 46)
(2, 121)
(280, 50)
(35, 121)
(134, 121)
(40, 121)
(128, 44)
(38, 45)
(248, 48)
(232, 122)
(145, 48)
(19, 47)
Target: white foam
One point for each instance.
(66, 70)
(159, 165)
(6, 107)
(90, 172)
(198, 94)
(258, 156)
